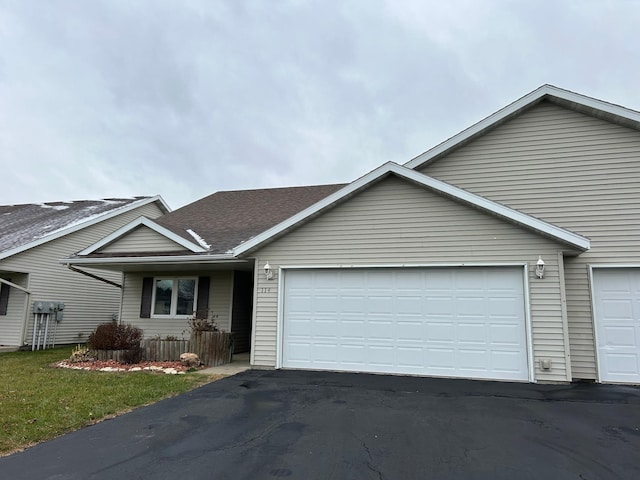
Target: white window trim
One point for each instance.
(174, 297)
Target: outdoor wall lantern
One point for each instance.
(540, 267)
(267, 271)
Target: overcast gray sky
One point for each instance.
(185, 98)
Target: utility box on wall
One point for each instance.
(45, 313)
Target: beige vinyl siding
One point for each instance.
(220, 298)
(11, 323)
(88, 302)
(142, 239)
(221, 287)
(397, 223)
(570, 169)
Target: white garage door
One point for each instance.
(617, 319)
(454, 322)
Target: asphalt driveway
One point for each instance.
(312, 425)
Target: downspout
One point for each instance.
(23, 331)
(96, 277)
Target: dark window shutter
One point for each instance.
(203, 297)
(4, 297)
(147, 294)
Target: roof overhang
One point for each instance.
(566, 98)
(574, 241)
(167, 263)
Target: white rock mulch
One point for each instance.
(170, 368)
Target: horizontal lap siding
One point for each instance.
(11, 323)
(570, 169)
(220, 289)
(220, 298)
(142, 239)
(88, 302)
(395, 222)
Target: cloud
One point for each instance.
(109, 98)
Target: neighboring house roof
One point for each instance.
(559, 234)
(574, 101)
(25, 226)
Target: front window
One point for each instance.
(174, 297)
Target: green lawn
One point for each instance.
(38, 402)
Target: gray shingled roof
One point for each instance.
(22, 224)
(226, 219)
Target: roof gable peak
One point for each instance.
(565, 98)
(146, 222)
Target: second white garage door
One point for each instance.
(616, 293)
(455, 322)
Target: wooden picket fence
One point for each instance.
(213, 348)
(117, 355)
(154, 350)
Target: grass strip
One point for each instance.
(39, 402)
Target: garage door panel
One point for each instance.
(617, 309)
(476, 359)
(321, 305)
(470, 333)
(353, 329)
(410, 357)
(441, 358)
(300, 351)
(503, 306)
(382, 305)
(620, 336)
(616, 293)
(300, 303)
(505, 334)
(325, 329)
(381, 355)
(470, 305)
(408, 304)
(418, 321)
(409, 330)
(472, 280)
(441, 305)
(504, 360)
(439, 332)
(622, 367)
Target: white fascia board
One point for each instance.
(529, 99)
(456, 193)
(143, 221)
(163, 205)
(169, 259)
(79, 226)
